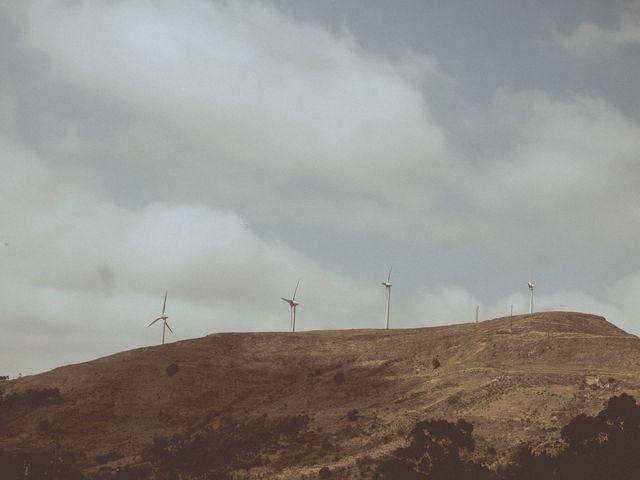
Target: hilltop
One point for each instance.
(326, 398)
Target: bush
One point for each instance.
(352, 414)
(108, 457)
(233, 445)
(32, 397)
(435, 362)
(172, 370)
(434, 453)
(338, 378)
(325, 472)
(44, 426)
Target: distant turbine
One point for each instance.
(388, 285)
(163, 317)
(531, 287)
(293, 304)
(477, 310)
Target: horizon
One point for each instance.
(346, 329)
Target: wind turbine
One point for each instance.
(388, 286)
(293, 304)
(163, 317)
(477, 310)
(531, 287)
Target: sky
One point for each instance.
(223, 150)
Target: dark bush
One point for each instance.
(338, 378)
(233, 445)
(44, 426)
(352, 414)
(600, 447)
(108, 457)
(172, 370)
(434, 453)
(324, 472)
(31, 397)
(40, 465)
(435, 362)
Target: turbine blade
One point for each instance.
(159, 318)
(296, 290)
(286, 299)
(389, 277)
(165, 322)
(164, 305)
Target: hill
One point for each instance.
(291, 403)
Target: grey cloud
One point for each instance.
(591, 39)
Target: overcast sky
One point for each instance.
(224, 150)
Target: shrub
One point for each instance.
(325, 472)
(172, 370)
(44, 426)
(352, 414)
(32, 397)
(338, 378)
(435, 362)
(434, 452)
(108, 457)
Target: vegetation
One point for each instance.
(231, 446)
(434, 453)
(39, 465)
(600, 447)
(31, 398)
(172, 370)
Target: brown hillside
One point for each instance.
(516, 379)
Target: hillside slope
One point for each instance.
(516, 379)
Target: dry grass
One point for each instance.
(516, 379)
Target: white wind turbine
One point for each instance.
(531, 287)
(163, 317)
(388, 286)
(293, 304)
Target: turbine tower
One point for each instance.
(293, 304)
(477, 310)
(531, 287)
(388, 285)
(163, 317)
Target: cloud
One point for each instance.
(91, 274)
(590, 39)
(567, 171)
(254, 90)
